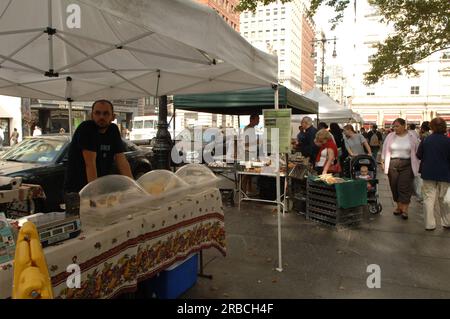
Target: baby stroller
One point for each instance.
(353, 172)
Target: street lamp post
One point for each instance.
(323, 41)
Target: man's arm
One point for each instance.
(122, 165)
(91, 166)
(367, 146)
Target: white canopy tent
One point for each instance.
(330, 110)
(123, 49)
(83, 50)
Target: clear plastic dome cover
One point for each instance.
(110, 198)
(162, 183)
(197, 176)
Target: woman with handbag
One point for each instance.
(327, 157)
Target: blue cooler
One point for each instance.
(174, 281)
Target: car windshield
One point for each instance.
(35, 150)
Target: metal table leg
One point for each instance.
(201, 273)
(239, 191)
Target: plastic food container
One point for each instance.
(111, 198)
(199, 177)
(164, 186)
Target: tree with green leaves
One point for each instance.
(421, 28)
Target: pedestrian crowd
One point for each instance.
(416, 160)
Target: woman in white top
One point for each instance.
(401, 164)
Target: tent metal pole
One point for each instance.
(277, 160)
(69, 99)
(21, 31)
(70, 117)
(50, 38)
(174, 121)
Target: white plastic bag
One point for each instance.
(447, 197)
(418, 182)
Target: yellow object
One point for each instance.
(31, 277)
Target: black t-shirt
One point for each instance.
(87, 137)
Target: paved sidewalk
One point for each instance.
(320, 262)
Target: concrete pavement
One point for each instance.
(319, 262)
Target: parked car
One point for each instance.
(43, 160)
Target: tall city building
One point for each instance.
(226, 9)
(414, 98)
(335, 83)
(283, 29)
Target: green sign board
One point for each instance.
(281, 120)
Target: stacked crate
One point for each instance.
(322, 207)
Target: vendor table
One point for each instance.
(229, 173)
(20, 201)
(244, 197)
(113, 259)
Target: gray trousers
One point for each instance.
(401, 180)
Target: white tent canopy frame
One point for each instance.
(84, 50)
(330, 110)
(121, 48)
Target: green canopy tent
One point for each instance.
(245, 102)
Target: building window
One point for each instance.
(446, 55)
(283, 31)
(415, 90)
(370, 93)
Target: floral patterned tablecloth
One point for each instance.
(115, 258)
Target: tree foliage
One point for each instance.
(421, 27)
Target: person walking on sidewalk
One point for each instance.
(375, 139)
(434, 151)
(424, 130)
(401, 165)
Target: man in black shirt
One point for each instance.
(307, 146)
(95, 146)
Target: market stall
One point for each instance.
(135, 49)
(124, 241)
(244, 102)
